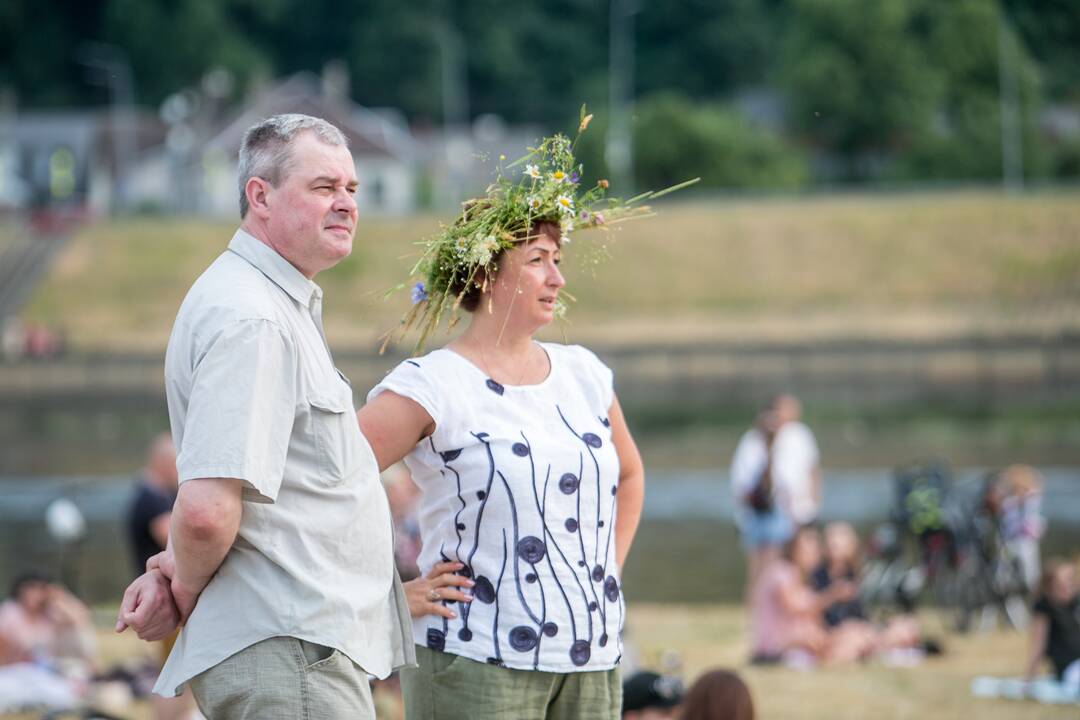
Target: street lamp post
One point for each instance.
(114, 71)
(620, 150)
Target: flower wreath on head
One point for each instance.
(463, 254)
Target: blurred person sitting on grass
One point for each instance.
(841, 564)
(651, 696)
(42, 623)
(787, 615)
(1055, 625)
(718, 695)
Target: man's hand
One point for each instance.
(163, 561)
(148, 607)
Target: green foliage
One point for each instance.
(201, 35)
(889, 88)
(963, 138)
(856, 82)
(1050, 29)
(674, 138)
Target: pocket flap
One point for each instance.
(337, 400)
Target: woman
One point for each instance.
(899, 636)
(840, 564)
(787, 616)
(530, 483)
(1055, 625)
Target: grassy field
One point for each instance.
(881, 264)
(710, 636)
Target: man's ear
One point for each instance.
(257, 191)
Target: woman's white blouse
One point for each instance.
(518, 483)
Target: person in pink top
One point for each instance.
(43, 623)
(787, 622)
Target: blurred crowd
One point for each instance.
(807, 584)
(813, 594)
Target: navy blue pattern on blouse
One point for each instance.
(519, 483)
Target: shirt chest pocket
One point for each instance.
(340, 449)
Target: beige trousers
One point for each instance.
(284, 678)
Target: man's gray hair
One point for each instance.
(266, 151)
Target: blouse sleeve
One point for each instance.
(598, 375)
(411, 379)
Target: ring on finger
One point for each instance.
(433, 595)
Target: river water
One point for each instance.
(687, 548)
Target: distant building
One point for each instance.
(68, 160)
(460, 163)
(385, 153)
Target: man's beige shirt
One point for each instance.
(254, 395)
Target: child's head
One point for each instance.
(1058, 583)
(1021, 480)
(803, 550)
(841, 544)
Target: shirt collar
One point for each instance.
(267, 261)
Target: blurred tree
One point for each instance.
(173, 44)
(858, 86)
(38, 43)
(963, 138)
(676, 138)
(719, 47)
(1051, 29)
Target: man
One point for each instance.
(280, 558)
(648, 696)
(151, 506)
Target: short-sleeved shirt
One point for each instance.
(148, 504)
(254, 395)
(794, 459)
(1063, 636)
(519, 483)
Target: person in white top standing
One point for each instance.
(280, 553)
(776, 482)
(531, 486)
(796, 462)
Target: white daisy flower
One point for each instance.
(558, 176)
(532, 171)
(534, 202)
(565, 203)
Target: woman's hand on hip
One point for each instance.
(426, 595)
